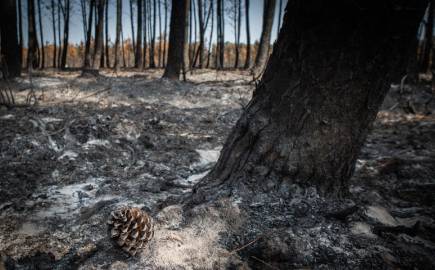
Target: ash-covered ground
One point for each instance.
(92, 144)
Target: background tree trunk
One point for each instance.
(99, 34)
(238, 23)
(248, 37)
(145, 30)
(138, 54)
(65, 34)
(106, 26)
(263, 47)
(186, 45)
(118, 33)
(210, 49)
(166, 33)
(10, 60)
(425, 63)
(278, 27)
(201, 33)
(177, 36)
(20, 29)
(41, 36)
(153, 36)
(160, 35)
(53, 17)
(321, 90)
(220, 49)
(32, 47)
(87, 60)
(132, 25)
(59, 5)
(84, 18)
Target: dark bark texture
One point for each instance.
(263, 47)
(32, 39)
(65, 34)
(118, 33)
(10, 53)
(138, 54)
(329, 72)
(177, 36)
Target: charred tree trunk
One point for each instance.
(165, 33)
(145, 33)
(132, 25)
(65, 34)
(20, 29)
(59, 11)
(87, 60)
(248, 37)
(106, 26)
(53, 17)
(320, 92)
(138, 53)
(41, 36)
(32, 48)
(211, 35)
(220, 48)
(118, 33)
(160, 35)
(426, 59)
(124, 63)
(99, 35)
(10, 54)
(201, 35)
(84, 18)
(186, 46)
(238, 23)
(177, 37)
(263, 47)
(153, 36)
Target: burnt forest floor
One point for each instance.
(94, 143)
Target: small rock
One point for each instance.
(118, 265)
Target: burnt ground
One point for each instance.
(93, 144)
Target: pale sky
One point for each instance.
(76, 27)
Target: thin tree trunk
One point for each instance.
(99, 33)
(65, 34)
(138, 54)
(177, 37)
(166, 33)
(118, 33)
(124, 63)
(238, 23)
(194, 36)
(20, 29)
(145, 34)
(425, 63)
(153, 36)
(220, 50)
(32, 47)
(41, 36)
(320, 92)
(210, 49)
(53, 17)
(201, 35)
(132, 25)
(84, 18)
(87, 60)
(160, 35)
(263, 47)
(107, 35)
(10, 55)
(186, 42)
(59, 4)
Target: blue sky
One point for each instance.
(76, 28)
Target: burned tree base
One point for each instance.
(89, 72)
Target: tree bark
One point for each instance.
(177, 36)
(329, 72)
(99, 35)
(278, 27)
(53, 17)
(20, 27)
(166, 33)
(106, 26)
(84, 18)
(65, 34)
(186, 46)
(425, 63)
(160, 35)
(59, 4)
(145, 30)
(132, 25)
(210, 49)
(41, 35)
(220, 48)
(248, 37)
(138, 54)
(10, 60)
(32, 48)
(153, 36)
(87, 60)
(263, 47)
(237, 30)
(118, 33)
(201, 34)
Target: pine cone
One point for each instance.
(131, 228)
